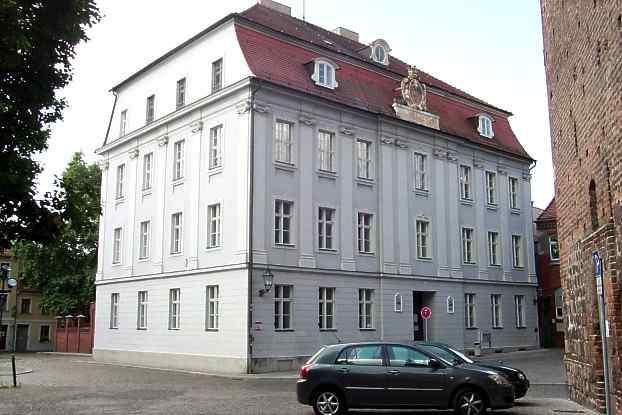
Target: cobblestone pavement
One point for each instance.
(65, 385)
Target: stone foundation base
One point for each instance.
(278, 364)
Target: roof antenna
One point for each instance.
(304, 4)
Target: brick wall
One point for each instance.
(583, 59)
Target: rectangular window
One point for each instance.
(491, 188)
(496, 311)
(214, 221)
(559, 304)
(517, 251)
(493, 248)
(283, 298)
(120, 181)
(123, 123)
(283, 142)
(365, 232)
(423, 238)
(514, 199)
(145, 239)
(470, 311)
(465, 182)
(217, 75)
(213, 307)
(421, 171)
(114, 310)
(364, 157)
(519, 308)
(26, 306)
(366, 308)
(554, 248)
(116, 245)
(215, 147)
(150, 111)
(147, 170)
(468, 254)
(283, 222)
(327, 308)
(326, 151)
(174, 306)
(178, 160)
(143, 301)
(326, 228)
(176, 233)
(181, 93)
(44, 334)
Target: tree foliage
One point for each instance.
(37, 44)
(63, 269)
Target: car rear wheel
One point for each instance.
(328, 402)
(469, 401)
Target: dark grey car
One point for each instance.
(392, 376)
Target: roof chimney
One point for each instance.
(350, 34)
(279, 7)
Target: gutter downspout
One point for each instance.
(251, 185)
(379, 227)
(114, 105)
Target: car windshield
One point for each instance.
(448, 353)
(462, 355)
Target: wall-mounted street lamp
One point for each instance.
(268, 279)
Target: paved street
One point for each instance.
(67, 385)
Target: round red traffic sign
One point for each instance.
(426, 312)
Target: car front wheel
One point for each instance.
(469, 402)
(328, 402)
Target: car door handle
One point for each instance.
(344, 370)
(393, 372)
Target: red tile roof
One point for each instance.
(370, 88)
(549, 214)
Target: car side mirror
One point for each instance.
(435, 364)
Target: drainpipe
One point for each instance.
(251, 168)
(379, 233)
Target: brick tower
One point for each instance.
(583, 59)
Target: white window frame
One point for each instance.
(517, 251)
(123, 123)
(363, 228)
(147, 171)
(179, 156)
(466, 182)
(144, 245)
(279, 219)
(326, 241)
(470, 310)
(491, 187)
(180, 93)
(424, 243)
(326, 142)
(325, 73)
(554, 241)
(284, 141)
(218, 71)
(114, 310)
(484, 126)
(559, 304)
(469, 248)
(398, 303)
(150, 109)
(365, 159)
(421, 171)
(326, 318)
(120, 183)
(514, 193)
(117, 245)
(496, 310)
(174, 309)
(494, 252)
(177, 231)
(280, 300)
(215, 146)
(451, 305)
(214, 225)
(366, 309)
(212, 309)
(519, 311)
(143, 305)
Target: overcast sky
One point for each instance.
(488, 48)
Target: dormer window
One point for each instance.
(324, 73)
(485, 126)
(380, 51)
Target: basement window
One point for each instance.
(324, 73)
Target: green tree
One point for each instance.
(63, 268)
(37, 44)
